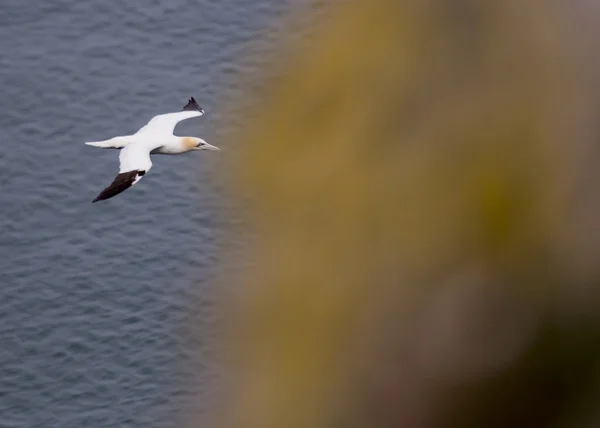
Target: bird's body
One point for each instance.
(156, 137)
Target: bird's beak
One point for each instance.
(206, 146)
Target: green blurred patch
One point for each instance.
(413, 187)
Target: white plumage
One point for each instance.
(165, 123)
(156, 137)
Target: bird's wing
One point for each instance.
(135, 163)
(165, 123)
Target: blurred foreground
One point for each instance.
(422, 180)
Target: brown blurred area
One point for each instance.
(421, 178)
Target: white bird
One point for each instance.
(156, 137)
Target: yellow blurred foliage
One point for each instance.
(420, 176)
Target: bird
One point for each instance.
(156, 137)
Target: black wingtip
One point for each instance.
(192, 105)
(122, 182)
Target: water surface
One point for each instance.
(94, 298)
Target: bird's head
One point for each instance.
(193, 143)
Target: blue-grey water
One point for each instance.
(96, 299)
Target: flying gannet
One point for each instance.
(156, 137)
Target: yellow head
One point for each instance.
(193, 143)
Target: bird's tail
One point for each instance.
(113, 143)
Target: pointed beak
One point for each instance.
(206, 146)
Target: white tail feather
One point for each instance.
(113, 143)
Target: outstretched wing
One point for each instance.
(122, 182)
(135, 163)
(165, 123)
